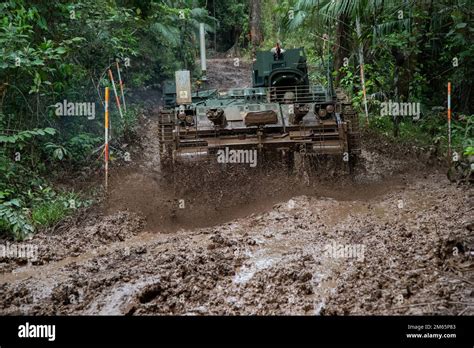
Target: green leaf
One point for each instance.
(50, 131)
(58, 154)
(15, 202)
(42, 23)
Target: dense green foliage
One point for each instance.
(57, 51)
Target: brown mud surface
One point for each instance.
(207, 239)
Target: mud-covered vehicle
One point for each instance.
(280, 114)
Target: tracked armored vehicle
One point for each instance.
(280, 114)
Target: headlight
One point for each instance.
(302, 109)
(330, 109)
(189, 119)
(322, 113)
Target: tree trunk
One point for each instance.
(256, 32)
(401, 83)
(340, 48)
(361, 63)
(396, 119)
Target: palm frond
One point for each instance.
(387, 28)
(297, 21)
(169, 33)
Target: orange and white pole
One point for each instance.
(449, 121)
(115, 92)
(106, 129)
(121, 87)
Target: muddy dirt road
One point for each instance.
(394, 239)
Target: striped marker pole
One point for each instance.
(121, 87)
(106, 129)
(115, 92)
(449, 121)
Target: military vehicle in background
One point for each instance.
(282, 113)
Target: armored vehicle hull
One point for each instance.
(281, 113)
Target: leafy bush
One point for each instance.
(49, 213)
(50, 207)
(126, 127)
(26, 200)
(469, 151)
(14, 219)
(45, 208)
(80, 146)
(21, 137)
